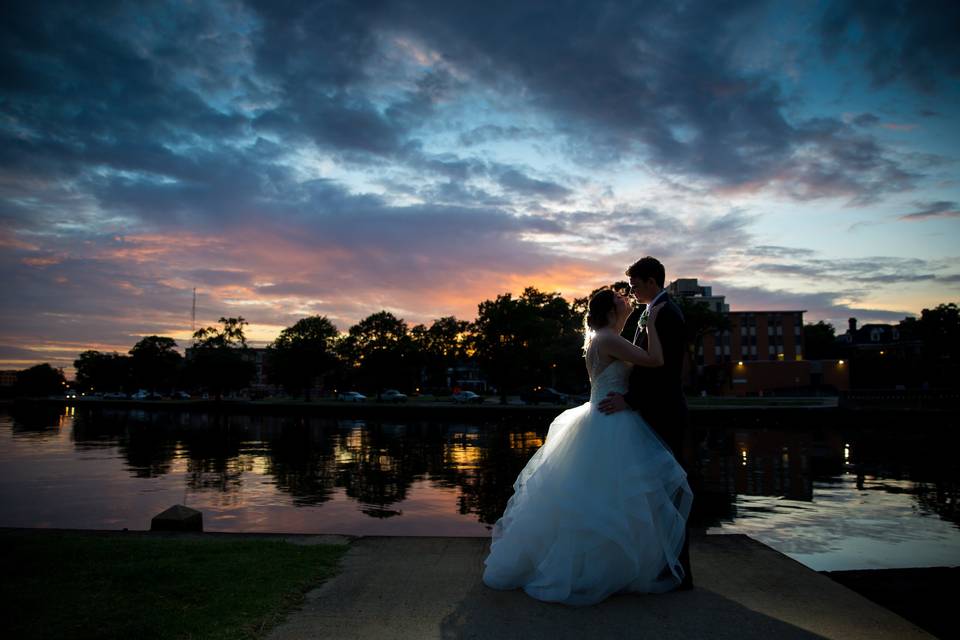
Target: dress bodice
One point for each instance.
(604, 379)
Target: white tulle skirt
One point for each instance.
(600, 508)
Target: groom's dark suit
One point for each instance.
(656, 393)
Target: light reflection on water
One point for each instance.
(850, 524)
(834, 498)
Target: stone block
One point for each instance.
(178, 518)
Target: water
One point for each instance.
(830, 497)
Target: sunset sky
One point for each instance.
(339, 158)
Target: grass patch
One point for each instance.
(85, 586)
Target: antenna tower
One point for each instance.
(193, 313)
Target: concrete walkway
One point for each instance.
(423, 588)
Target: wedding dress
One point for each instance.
(599, 509)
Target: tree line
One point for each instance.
(515, 342)
(530, 339)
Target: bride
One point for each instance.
(601, 507)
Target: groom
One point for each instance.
(657, 393)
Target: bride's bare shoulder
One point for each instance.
(606, 338)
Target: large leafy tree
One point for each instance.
(379, 350)
(557, 358)
(39, 380)
(220, 360)
(97, 371)
(155, 363)
(502, 333)
(532, 339)
(439, 347)
(819, 341)
(303, 353)
(938, 330)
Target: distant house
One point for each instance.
(466, 376)
(881, 357)
(8, 378)
(870, 335)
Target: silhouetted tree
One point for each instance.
(819, 341)
(939, 331)
(96, 371)
(155, 363)
(302, 353)
(379, 350)
(441, 346)
(502, 333)
(219, 358)
(38, 381)
(558, 341)
(532, 339)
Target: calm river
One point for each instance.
(832, 498)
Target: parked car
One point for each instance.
(467, 397)
(143, 394)
(392, 395)
(543, 394)
(181, 395)
(115, 395)
(351, 396)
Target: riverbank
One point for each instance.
(703, 412)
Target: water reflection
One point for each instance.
(809, 491)
(375, 464)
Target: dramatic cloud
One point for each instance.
(895, 40)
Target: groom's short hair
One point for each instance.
(648, 267)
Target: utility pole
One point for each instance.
(193, 314)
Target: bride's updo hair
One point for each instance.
(599, 308)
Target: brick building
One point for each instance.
(760, 352)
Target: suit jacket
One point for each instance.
(656, 393)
